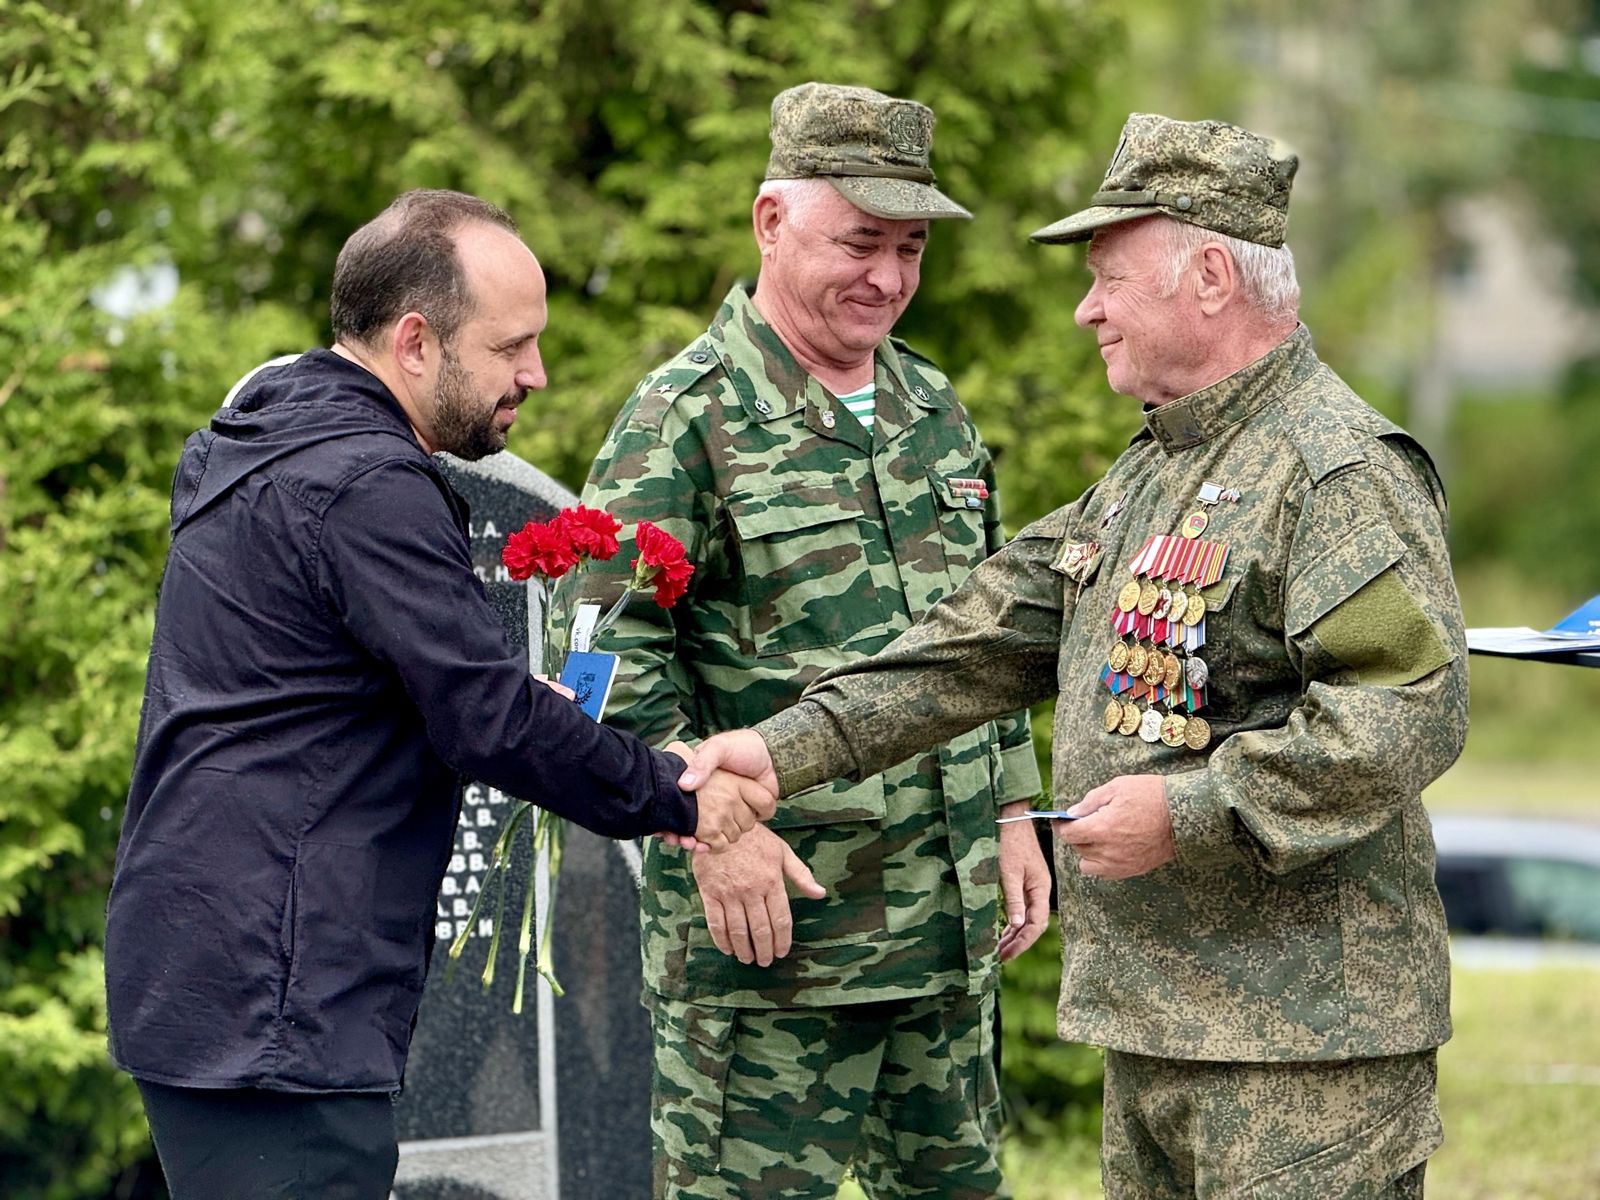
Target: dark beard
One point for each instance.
(460, 424)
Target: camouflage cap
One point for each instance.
(1208, 173)
(872, 147)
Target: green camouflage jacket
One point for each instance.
(1301, 919)
(814, 543)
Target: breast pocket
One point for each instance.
(960, 511)
(1225, 657)
(803, 549)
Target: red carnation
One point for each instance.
(592, 531)
(663, 555)
(539, 549)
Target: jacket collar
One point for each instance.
(1201, 416)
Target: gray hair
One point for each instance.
(1266, 273)
(799, 196)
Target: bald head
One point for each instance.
(406, 259)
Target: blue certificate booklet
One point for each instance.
(590, 673)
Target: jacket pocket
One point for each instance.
(961, 531)
(286, 937)
(356, 975)
(807, 581)
(1223, 627)
(1362, 1165)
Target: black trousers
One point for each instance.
(249, 1144)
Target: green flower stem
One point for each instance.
(498, 859)
(524, 939)
(612, 613)
(499, 866)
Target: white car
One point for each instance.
(1524, 889)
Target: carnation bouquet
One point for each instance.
(541, 553)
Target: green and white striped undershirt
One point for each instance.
(863, 404)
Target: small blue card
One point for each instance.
(590, 674)
(1054, 814)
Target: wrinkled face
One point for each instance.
(1150, 342)
(493, 361)
(843, 276)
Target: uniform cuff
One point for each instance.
(1202, 822)
(674, 810)
(806, 748)
(1019, 774)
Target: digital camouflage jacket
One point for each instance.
(814, 543)
(1301, 919)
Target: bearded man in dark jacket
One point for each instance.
(324, 672)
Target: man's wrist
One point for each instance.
(1014, 808)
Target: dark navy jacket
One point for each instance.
(325, 669)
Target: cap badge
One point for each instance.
(906, 129)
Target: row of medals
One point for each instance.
(1158, 667)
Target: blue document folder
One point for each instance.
(590, 673)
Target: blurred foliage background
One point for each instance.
(176, 177)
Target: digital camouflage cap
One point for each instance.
(873, 148)
(1208, 173)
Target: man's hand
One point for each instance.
(747, 908)
(730, 804)
(738, 750)
(1024, 883)
(559, 688)
(1126, 828)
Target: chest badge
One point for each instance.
(970, 493)
(1077, 560)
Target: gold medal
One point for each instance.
(1194, 610)
(1112, 716)
(1195, 524)
(1172, 727)
(1138, 659)
(1197, 733)
(1149, 597)
(1129, 595)
(1156, 670)
(1130, 718)
(1180, 601)
(1118, 657)
(1171, 671)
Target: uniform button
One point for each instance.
(1185, 203)
(699, 356)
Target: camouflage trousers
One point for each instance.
(1354, 1129)
(751, 1104)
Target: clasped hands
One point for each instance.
(742, 881)
(743, 885)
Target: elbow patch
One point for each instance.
(1382, 634)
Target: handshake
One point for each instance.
(735, 786)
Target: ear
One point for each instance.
(766, 215)
(413, 343)
(1218, 279)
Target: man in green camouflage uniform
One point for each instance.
(818, 535)
(1249, 916)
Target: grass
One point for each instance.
(1519, 1087)
(1570, 789)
